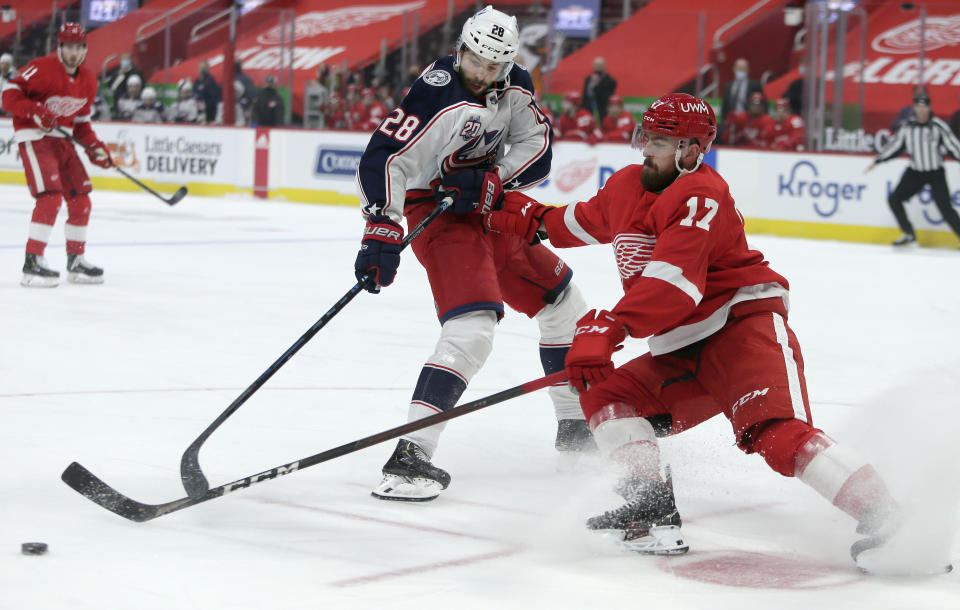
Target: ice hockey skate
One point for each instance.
(36, 273)
(79, 271)
(649, 523)
(906, 239)
(893, 547)
(409, 476)
(573, 435)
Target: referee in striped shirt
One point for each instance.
(922, 139)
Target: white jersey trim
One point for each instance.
(34, 167)
(691, 333)
(8, 85)
(570, 220)
(673, 275)
(34, 134)
(793, 372)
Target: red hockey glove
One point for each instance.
(520, 215)
(99, 155)
(589, 360)
(472, 189)
(43, 117)
(379, 256)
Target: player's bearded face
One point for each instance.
(659, 166)
(72, 54)
(476, 73)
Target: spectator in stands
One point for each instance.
(249, 89)
(150, 109)
(268, 109)
(125, 104)
(334, 114)
(619, 124)
(186, 109)
(794, 92)
(100, 110)
(120, 79)
(786, 132)
(375, 110)
(7, 72)
(207, 92)
(577, 123)
(736, 95)
(413, 73)
(239, 112)
(747, 128)
(598, 86)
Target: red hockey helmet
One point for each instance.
(573, 97)
(781, 104)
(615, 100)
(681, 116)
(72, 33)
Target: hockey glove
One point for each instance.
(43, 117)
(589, 360)
(99, 155)
(472, 189)
(379, 255)
(520, 215)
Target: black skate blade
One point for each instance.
(906, 573)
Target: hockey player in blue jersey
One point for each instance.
(468, 128)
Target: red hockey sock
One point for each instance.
(41, 222)
(75, 230)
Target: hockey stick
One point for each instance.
(92, 488)
(172, 200)
(190, 472)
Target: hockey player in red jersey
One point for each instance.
(716, 317)
(469, 128)
(576, 123)
(57, 91)
(748, 128)
(375, 111)
(786, 131)
(619, 124)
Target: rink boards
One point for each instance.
(824, 196)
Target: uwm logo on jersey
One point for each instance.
(63, 105)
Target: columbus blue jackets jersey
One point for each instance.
(441, 127)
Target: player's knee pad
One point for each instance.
(779, 442)
(465, 342)
(78, 209)
(558, 320)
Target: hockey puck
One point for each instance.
(33, 548)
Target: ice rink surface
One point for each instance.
(201, 298)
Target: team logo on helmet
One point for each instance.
(437, 78)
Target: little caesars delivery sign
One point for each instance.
(181, 155)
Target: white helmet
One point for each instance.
(149, 92)
(493, 35)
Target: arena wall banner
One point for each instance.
(208, 160)
(828, 196)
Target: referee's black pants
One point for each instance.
(910, 184)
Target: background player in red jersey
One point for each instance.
(577, 123)
(716, 317)
(57, 91)
(786, 132)
(619, 123)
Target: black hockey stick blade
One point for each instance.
(194, 481)
(91, 487)
(176, 197)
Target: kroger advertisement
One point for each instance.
(828, 189)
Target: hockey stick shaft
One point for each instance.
(191, 474)
(91, 487)
(177, 196)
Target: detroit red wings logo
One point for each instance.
(938, 31)
(63, 105)
(573, 174)
(323, 22)
(633, 252)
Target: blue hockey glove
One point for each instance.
(379, 256)
(472, 189)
